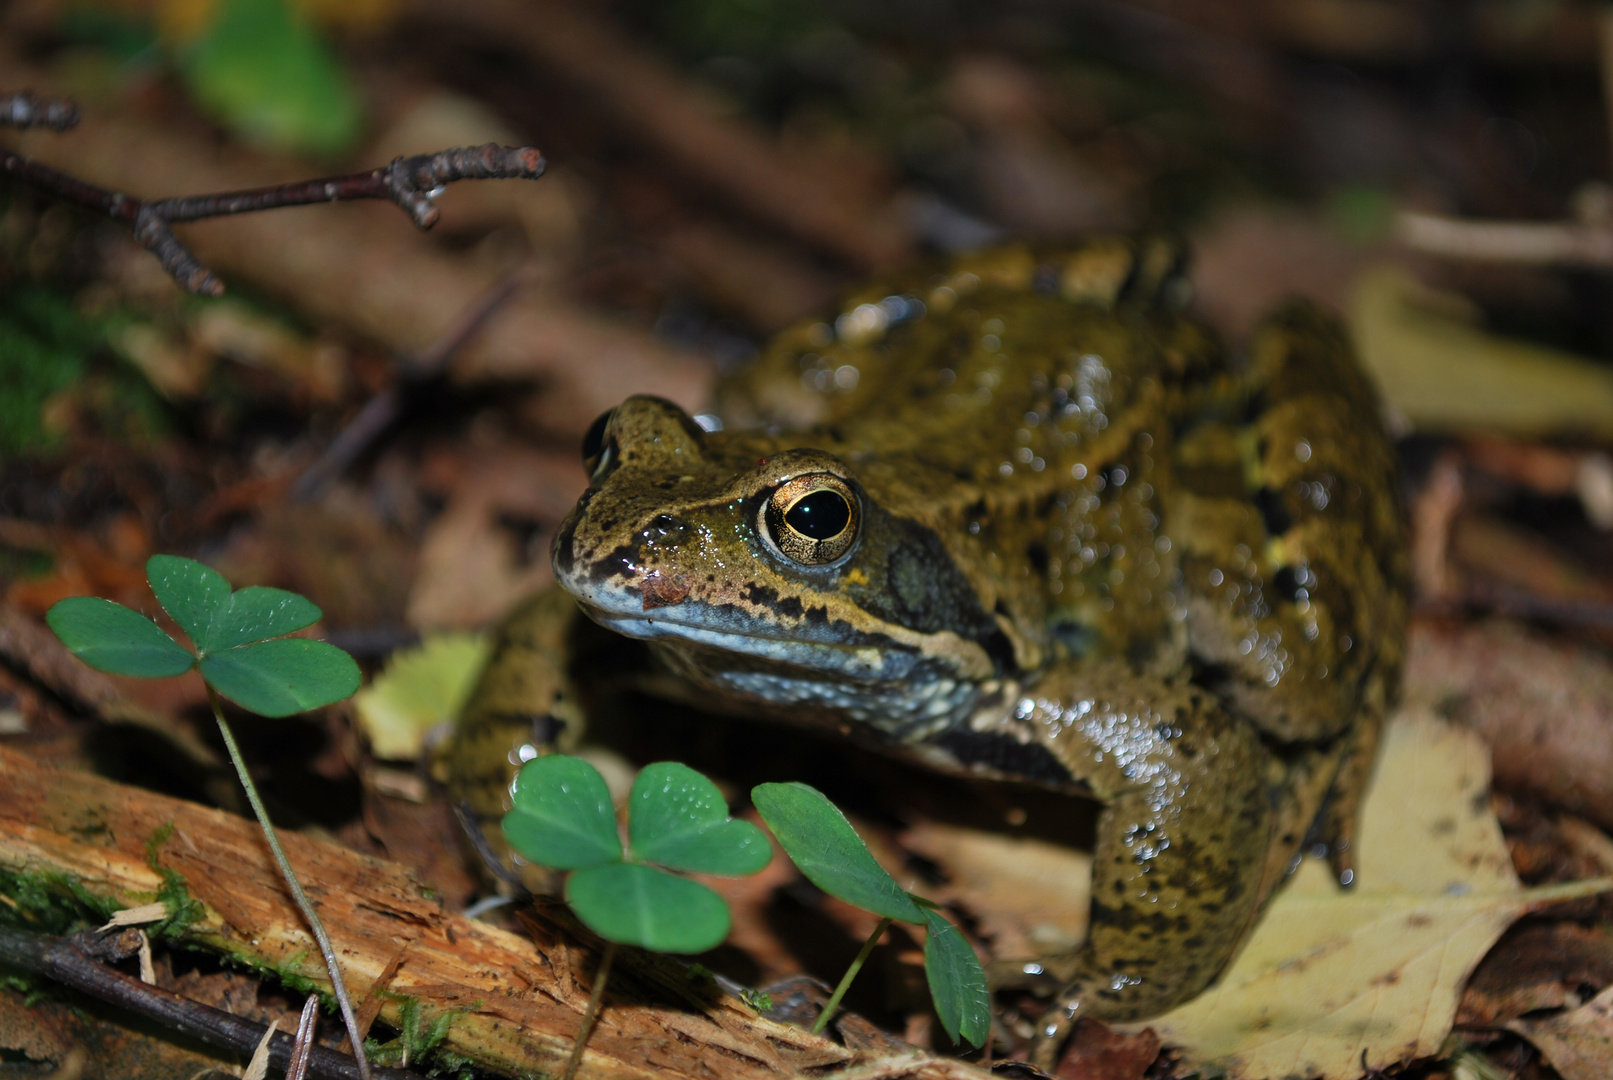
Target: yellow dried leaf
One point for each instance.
(1440, 371)
(419, 689)
(1332, 973)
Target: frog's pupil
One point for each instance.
(820, 515)
(593, 443)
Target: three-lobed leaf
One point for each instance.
(679, 819)
(240, 649)
(957, 981)
(563, 817)
(822, 843)
(634, 904)
(112, 638)
(201, 602)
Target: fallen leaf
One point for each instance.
(1421, 344)
(1098, 1052)
(1334, 979)
(1536, 966)
(419, 689)
(1543, 704)
(1579, 1044)
(1028, 897)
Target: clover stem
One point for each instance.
(851, 973)
(592, 1013)
(338, 987)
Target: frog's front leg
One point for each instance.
(529, 700)
(1200, 822)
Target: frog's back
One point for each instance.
(1019, 404)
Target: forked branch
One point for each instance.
(413, 183)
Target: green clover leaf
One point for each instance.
(110, 637)
(957, 981)
(563, 816)
(679, 819)
(822, 843)
(633, 904)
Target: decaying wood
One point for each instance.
(519, 1000)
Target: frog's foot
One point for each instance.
(1044, 976)
(1341, 815)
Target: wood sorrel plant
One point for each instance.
(242, 651)
(563, 818)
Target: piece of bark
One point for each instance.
(644, 95)
(519, 1000)
(366, 267)
(1545, 706)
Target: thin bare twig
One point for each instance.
(1563, 243)
(413, 183)
(67, 961)
(387, 406)
(24, 110)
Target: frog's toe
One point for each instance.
(1043, 976)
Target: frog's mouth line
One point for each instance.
(890, 662)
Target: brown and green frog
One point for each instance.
(1015, 517)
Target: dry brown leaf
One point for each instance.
(1331, 979)
(1029, 897)
(1544, 705)
(1537, 965)
(1578, 1044)
(1097, 1052)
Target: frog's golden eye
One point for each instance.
(597, 448)
(812, 520)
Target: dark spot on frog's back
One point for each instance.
(1272, 511)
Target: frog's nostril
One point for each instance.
(663, 524)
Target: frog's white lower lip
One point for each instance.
(847, 660)
(658, 625)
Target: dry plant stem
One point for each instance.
(851, 973)
(384, 409)
(338, 986)
(413, 183)
(307, 1023)
(1557, 242)
(64, 960)
(592, 1014)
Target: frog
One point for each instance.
(1020, 516)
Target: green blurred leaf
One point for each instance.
(267, 75)
(633, 904)
(822, 843)
(418, 689)
(196, 596)
(957, 981)
(282, 677)
(110, 637)
(563, 817)
(678, 818)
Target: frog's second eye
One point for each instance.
(596, 448)
(812, 520)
